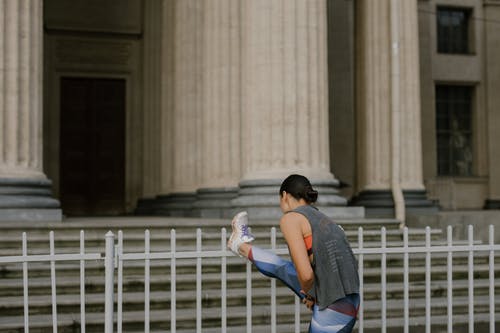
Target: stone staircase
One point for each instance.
(68, 278)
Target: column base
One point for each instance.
(206, 202)
(146, 207)
(492, 204)
(215, 202)
(260, 198)
(175, 204)
(379, 203)
(28, 200)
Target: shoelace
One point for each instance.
(244, 230)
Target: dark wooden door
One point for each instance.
(92, 149)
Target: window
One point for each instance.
(454, 130)
(453, 33)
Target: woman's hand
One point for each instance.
(308, 300)
(308, 303)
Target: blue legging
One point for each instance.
(328, 320)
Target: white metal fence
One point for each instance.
(52, 258)
(115, 256)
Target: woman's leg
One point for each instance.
(266, 262)
(340, 317)
(273, 266)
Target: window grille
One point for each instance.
(453, 31)
(454, 130)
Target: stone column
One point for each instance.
(411, 141)
(200, 116)
(219, 167)
(373, 96)
(285, 102)
(167, 95)
(492, 43)
(374, 108)
(185, 118)
(187, 98)
(411, 167)
(151, 106)
(152, 97)
(25, 191)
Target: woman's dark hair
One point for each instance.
(300, 188)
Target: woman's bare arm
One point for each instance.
(291, 225)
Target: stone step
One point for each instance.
(417, 324)
(236, 316)
(71, 238)
(183, 247)
(134, 320)
(38, 243)
(438, 261)
(115, 222)
(438, 323)
(68, 287)
(213, 265)
(70, 303)
(137, 225)
(70, 231)
(236, 279)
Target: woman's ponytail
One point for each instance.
(311, 196)
(300, 188)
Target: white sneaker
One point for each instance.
(240, 233)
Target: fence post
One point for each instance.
(109, 265)
(492, 278)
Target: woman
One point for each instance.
(323, 271)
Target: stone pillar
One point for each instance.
(185, 118)
(220, 120)
(151, 105)
(374, 80)
(373, 95)
(411, 165)
(187, 98)
(25, 191)
(285, 103)
(152, 97)
(201, 137)
(492, 44)
(341, 60)
(167, 95)
(411, 141)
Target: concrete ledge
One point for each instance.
(379, 203)
(460, 220)
(30, 215)
(343, 212)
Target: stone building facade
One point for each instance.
(201, 108)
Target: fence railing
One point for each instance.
(52, 258)
(115, 256)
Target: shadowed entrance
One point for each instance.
(92, 150)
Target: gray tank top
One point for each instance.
(334, 264)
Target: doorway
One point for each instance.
(92, 146)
